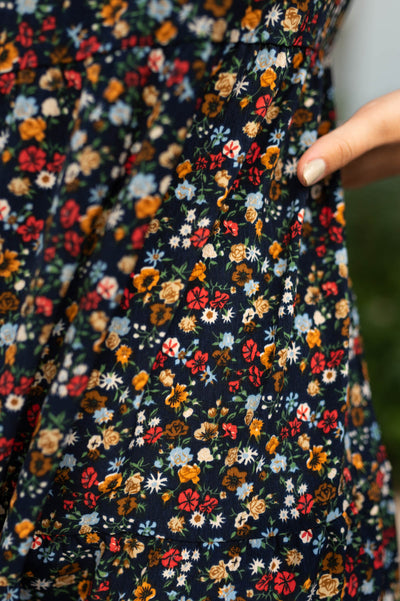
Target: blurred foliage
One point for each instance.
(373, 219)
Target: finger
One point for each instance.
(376, 164)
(374, 124)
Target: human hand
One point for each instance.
(365, 148)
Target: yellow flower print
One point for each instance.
(24, 528)
(270, 158)
(166, 32)
(84, 588)
(8, 55)
(144, 592)
(112, 12)
(212, 105)
(268, 78)
(317, 458)
(123, 354)
(146, 279)
(199, 272)
(189, 473)
(8, 263)
(275, 249)
(113, 90)
(313, 338)
(272, 445)
(177, 396)
(183, 169)
(218, 8)
(251, 18)
(268, 355)
(32, 128)
(160, 314)
(140, 380)
(147, 206)
(110, 483)
(256, 427)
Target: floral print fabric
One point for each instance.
(185, 407)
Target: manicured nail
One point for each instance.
(314, 171)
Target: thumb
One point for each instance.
(374, 124)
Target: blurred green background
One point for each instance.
(366, 65)
(373, 236)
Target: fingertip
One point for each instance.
(312, 172)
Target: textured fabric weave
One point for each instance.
(185, 409)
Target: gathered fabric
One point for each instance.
(185, 408)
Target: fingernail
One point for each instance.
(313, 171)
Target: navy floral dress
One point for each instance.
(185, 410)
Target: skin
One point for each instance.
(366, 147)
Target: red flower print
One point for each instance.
(7, 81)
(44, 305)
(29, 60)
(197, 298)
(262, 104)
(326, 216)
(32, 159)
(336, 234)
(284, 583)
(25, 34)
(153, 434)
(305, 503)
(208, 504)
(318, 363)
(178, 72)
(201, 163)
(230, 430)
(57, 162)
(234, 385)
(335, 358)
(255, 374)
(5, 447)
(90, 301)
(328, 421)
(32, 414)
(352, 585)
(231, 228)
(262, 584)
(73, 243)
(171, 558)
(198, 363)
(89, 478)
(69, 213)
(127, 296)
(200, 237)
(114, 545)
(249, 350)
(77, 385)
(330, 288)
(255, 176)
(188, 500)
(90, 499)
(6, 382)
(24, 386)
(216, 160)
(138, 235)
(74, 79)
(295, 427)
(220, 300)
(30, 230)
(159, 360)
(253, 153)
(49, 23)
(87, 47)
